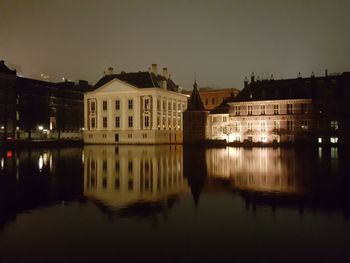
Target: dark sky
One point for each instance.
(221, 41)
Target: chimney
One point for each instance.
(2, 62)
(165, 73)
(245, 82)
(326, 72)
(312, 74)
(154, 69)
(109, 71)
(252, 77)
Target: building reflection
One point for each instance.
(314, 179)
(257, 169)
(37, 178)
(133, 178)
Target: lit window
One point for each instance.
(319, 140)
(334, 125)
(276, 125)
(263, 126)
(146, 104)
(275, 109)
(334, 139)
(262, 109)
(289, 108)
(304, 125)
(250, 110)
(290, 125)
(250, 126)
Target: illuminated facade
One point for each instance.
(134, 108)
(123, 175)
(284, 111)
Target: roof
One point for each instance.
(298, 88)
(139, 80)
(223, 107)
(195, 103)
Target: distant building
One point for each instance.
(29, 106)
(134, 108)
(212, 98)
(303, 109)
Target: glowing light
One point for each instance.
(40, 127)
(41, 163)
(319, 140)
(9, 154)
(2, 127)
(2, 163)
(334, 139)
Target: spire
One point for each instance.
(195, 102)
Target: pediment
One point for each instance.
(115, 85)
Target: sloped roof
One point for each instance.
(277, 90)
(223, 107)
(139, 80)
(195, 103)
(4, 69)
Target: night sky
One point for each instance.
(221, 41)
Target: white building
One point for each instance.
(134, 108)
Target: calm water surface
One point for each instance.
(172, 204)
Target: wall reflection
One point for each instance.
(119, 176)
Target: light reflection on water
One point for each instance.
(182, 195)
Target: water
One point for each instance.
(172, 204)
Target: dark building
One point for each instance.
(29, 105)
(195, 119)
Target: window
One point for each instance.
(104, 124)
(275, 109)
(130, 166)
(262, 109)
(236, 126)
(319, 140)
(250, 110)
(238, 110)
(212, 100)
(130, 121)
(334, 125)
(334, 139)
(263, 126)
(250, 126)
(224, 119)
(117, 166)
(304, 125)
(304, 108)
(144, 135)
(146, 121)
(290, 125)
(146, 104)
(117, 104)
(104, 105)
(158, 104)
(289, 108)
(129, 136)
(130, 104)
(116, 138)
(276, 125)
(92, 106)
(117, 122)
(93, 123)
(104, 166)
(130, 184)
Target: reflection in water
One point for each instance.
(260, 199)
(133, 177)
